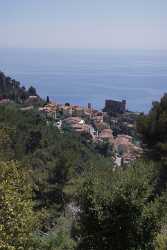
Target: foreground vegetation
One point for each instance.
(59, 192)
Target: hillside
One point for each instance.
(12, 89)
(59, 192)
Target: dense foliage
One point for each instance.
(153, 128)
(10, 88)
(60, 192)
(17, 220)
(122, 209)
(53, 158)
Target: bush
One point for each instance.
(118, 211)
(17, 220)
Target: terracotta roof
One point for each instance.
(106, 134)
(72, 120)
(129, 150)
(123, 139)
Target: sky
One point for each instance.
(116, 24)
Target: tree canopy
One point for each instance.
(17, 220)
(119, 211)
(60, 192)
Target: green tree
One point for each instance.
(153, 131)
(118, 211)
(17, 220)
(47, 99)
(6, 151)
(152, 128)
(32, 91)
(161, 242)
(57, 239)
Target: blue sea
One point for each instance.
(80, 76)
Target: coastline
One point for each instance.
(80, 77)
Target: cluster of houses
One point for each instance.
(86, 120)
(100, 126)
(113, 125)
(126, 150)
(75, 117)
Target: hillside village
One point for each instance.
(72, 158)
(114, 125)
(117, 129)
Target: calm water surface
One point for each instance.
(81, 76)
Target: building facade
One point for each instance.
(112, 106)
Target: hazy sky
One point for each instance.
(84, 23)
